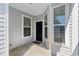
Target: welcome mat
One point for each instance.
(37, 42)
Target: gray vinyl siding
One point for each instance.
(78, 29)
(3, 29)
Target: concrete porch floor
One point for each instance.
(30, 50)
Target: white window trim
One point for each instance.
(26, 26)
(66, 40)
(58, 24)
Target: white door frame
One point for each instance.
(42, 30)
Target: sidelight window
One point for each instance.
(45, 27)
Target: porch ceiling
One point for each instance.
(31, 8)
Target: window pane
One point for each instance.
(27, 31)
(45, 20)
(59, 34)
(27, 21)
(59, 15)
(45, 33)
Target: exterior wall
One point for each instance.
(15, 28)
(3, 29)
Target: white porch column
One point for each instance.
(50, 27)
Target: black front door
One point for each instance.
(39, 31)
